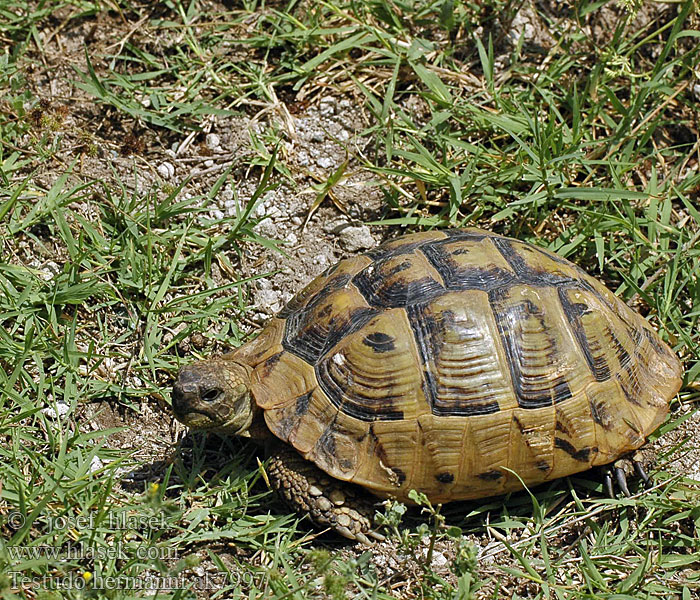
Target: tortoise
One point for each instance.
(458, 363)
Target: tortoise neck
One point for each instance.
(258, 430)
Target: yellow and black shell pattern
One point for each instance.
(459, 363)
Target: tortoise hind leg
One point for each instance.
(328, 502)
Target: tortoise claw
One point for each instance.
(639, 469)
(607, 479)
(621, 478)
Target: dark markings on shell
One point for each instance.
(490, 475)
(406, 264)
(302, 404)
(527, 274)
(326, 444)
(659, 348)
(600, 415)
(632, 388)
(458, 234)
(400, 475)
(596, 361)
(305, 337)
(337, 381)
(528, 390)
(325, 311)
(378, 449)
(296, 304)
(385, 251)
(269, 364)
(635, 334)
(326, 447)
(400, 292)
(543, 466)
(428, 332)
(581, 455)
(285, 426)
(445, 477)
(559, 426)
(379, 342)
(461, 278)
(622, 354)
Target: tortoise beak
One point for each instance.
(183, 397)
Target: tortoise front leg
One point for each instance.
(344, 507)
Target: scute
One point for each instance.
(446, 361)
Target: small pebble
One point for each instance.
(439, 559)
(356, 238)
(327, 106)
(95, 464)
(325, 162)
(166, 170)
(212, 141)
(54, 412)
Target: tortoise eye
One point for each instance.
(211, 394)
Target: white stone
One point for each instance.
(439, 559)
(95, 464)
(49, 270)
(268, 300)
(166, 170)
(325, 162)
(321, 259)
(227, 193)
(60, 409)
(357, 238)
(296, 220)
(292, 238)
(266, 228)
(208, 163)
(327, 106)
(212, 141)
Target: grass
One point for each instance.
(585, 143)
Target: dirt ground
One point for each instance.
(320, 129)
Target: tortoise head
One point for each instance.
(214, 395)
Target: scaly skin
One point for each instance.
(346, 508)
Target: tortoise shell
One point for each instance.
(448, 362)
